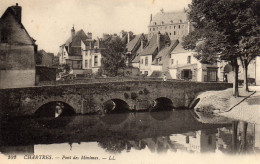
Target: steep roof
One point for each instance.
(153, 45)
(133, 43)
(75, 41)
(169, 17)
(14, 10)
(166, 51)
(136, 58)
(179, 49)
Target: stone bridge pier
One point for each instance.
(90, 98)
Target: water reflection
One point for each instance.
(156, 132)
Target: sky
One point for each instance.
(49, 21)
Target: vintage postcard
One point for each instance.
(129, 81)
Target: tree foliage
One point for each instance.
(224, 30)
(113, 56)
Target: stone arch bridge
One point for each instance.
(90, 98)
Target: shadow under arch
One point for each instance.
(113, 106)
(55, 109)
(161, 104)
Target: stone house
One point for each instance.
(149, 53)
(133, 49)
(162, 60)
(17, 51)
(175, 24)
(184, 65)
(91, 55)
(71, 51)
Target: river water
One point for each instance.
(113, 135)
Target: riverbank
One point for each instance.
(246, 107)
(248, 110)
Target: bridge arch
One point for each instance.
(115, 105)
(55, 109)
(162, 104)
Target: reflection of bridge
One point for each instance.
(88, 98)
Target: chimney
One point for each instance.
(128, 37)
(17, 12)
(158, 41)
(72, 32)
(89, 35)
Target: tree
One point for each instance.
(218, 34)
(247, 23)
(113, 56)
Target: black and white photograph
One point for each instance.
(130, 81)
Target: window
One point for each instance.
(153, 29)
(210, 140)
(171, 21)
(189, 60)
(179, 26)
(154, 23)
(170, 33)
(142, 61)
(174, 32)
(150, 29)
(4, 34)
(86, 63)
(146, 61)
(172, 61)
(212, 74)
(174, 27)
(180, 21)
(146, 72)
(162, 22)
(95, 61)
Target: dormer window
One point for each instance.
(162, 22)
(154, 23)
(171, 21)
(180, 21)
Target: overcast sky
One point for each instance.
(50, 21)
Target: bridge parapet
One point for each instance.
(89, 98)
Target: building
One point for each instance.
(133, 49)
(17, 51)
(175, 24)
(162, 60)
(184, 65)
(72, 50)
(91, 55)
(149, 53)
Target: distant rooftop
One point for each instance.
(169, 18)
